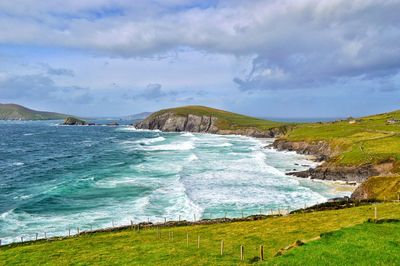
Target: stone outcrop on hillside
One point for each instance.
(321, 149)
(170, 122)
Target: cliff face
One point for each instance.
(171, 122)
(321, 149)
(328, 171)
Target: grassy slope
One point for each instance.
(226, 120)
(14, 111)
(383, 187)
(370, 140)
(364, 244)
(144, 248)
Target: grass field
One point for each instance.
(226, 120)
(146, 248)
(366, 140)
(364, 244)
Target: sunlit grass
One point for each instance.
(146, 248)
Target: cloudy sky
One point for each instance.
(269, 58)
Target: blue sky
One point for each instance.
(269, 58)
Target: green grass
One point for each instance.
(18, 112)
(364, 244)
(226, 120)
(144, 247)
(370, 140)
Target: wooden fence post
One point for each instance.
(376, 214)
(22, 239)
(241, 252)
(198, 241)
(222, 247)
(165, 220)
(261, 252)
(77, 229)
(187, 239)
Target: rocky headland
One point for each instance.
(171, 122)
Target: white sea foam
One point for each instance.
(225, 144)
(149, 141)
(131, 128)
(180, 146)
(18, 163)
(192, 157)
(187, 134)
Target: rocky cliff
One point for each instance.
(329, 171)
(171, 122)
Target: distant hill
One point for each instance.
(19, 112)
(142, 115)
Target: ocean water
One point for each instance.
(54, 178)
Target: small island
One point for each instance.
(73, 121)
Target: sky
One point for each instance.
(267, 58)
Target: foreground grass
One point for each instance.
(146, 248)
(364, 244)
(226, 120)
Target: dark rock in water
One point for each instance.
(73, 121)
(113, 124)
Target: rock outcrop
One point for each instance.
(341, 173)
(321, 149)
(73, 121)
(328, 171)
(170, 122)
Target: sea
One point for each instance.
(55, 178)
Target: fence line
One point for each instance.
(137, 226)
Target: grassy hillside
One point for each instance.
(226, 120)
(350, 246)
(382, 187)
(18, 112)
(147, 248)
(365, 140)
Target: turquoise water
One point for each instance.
(54, 178)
